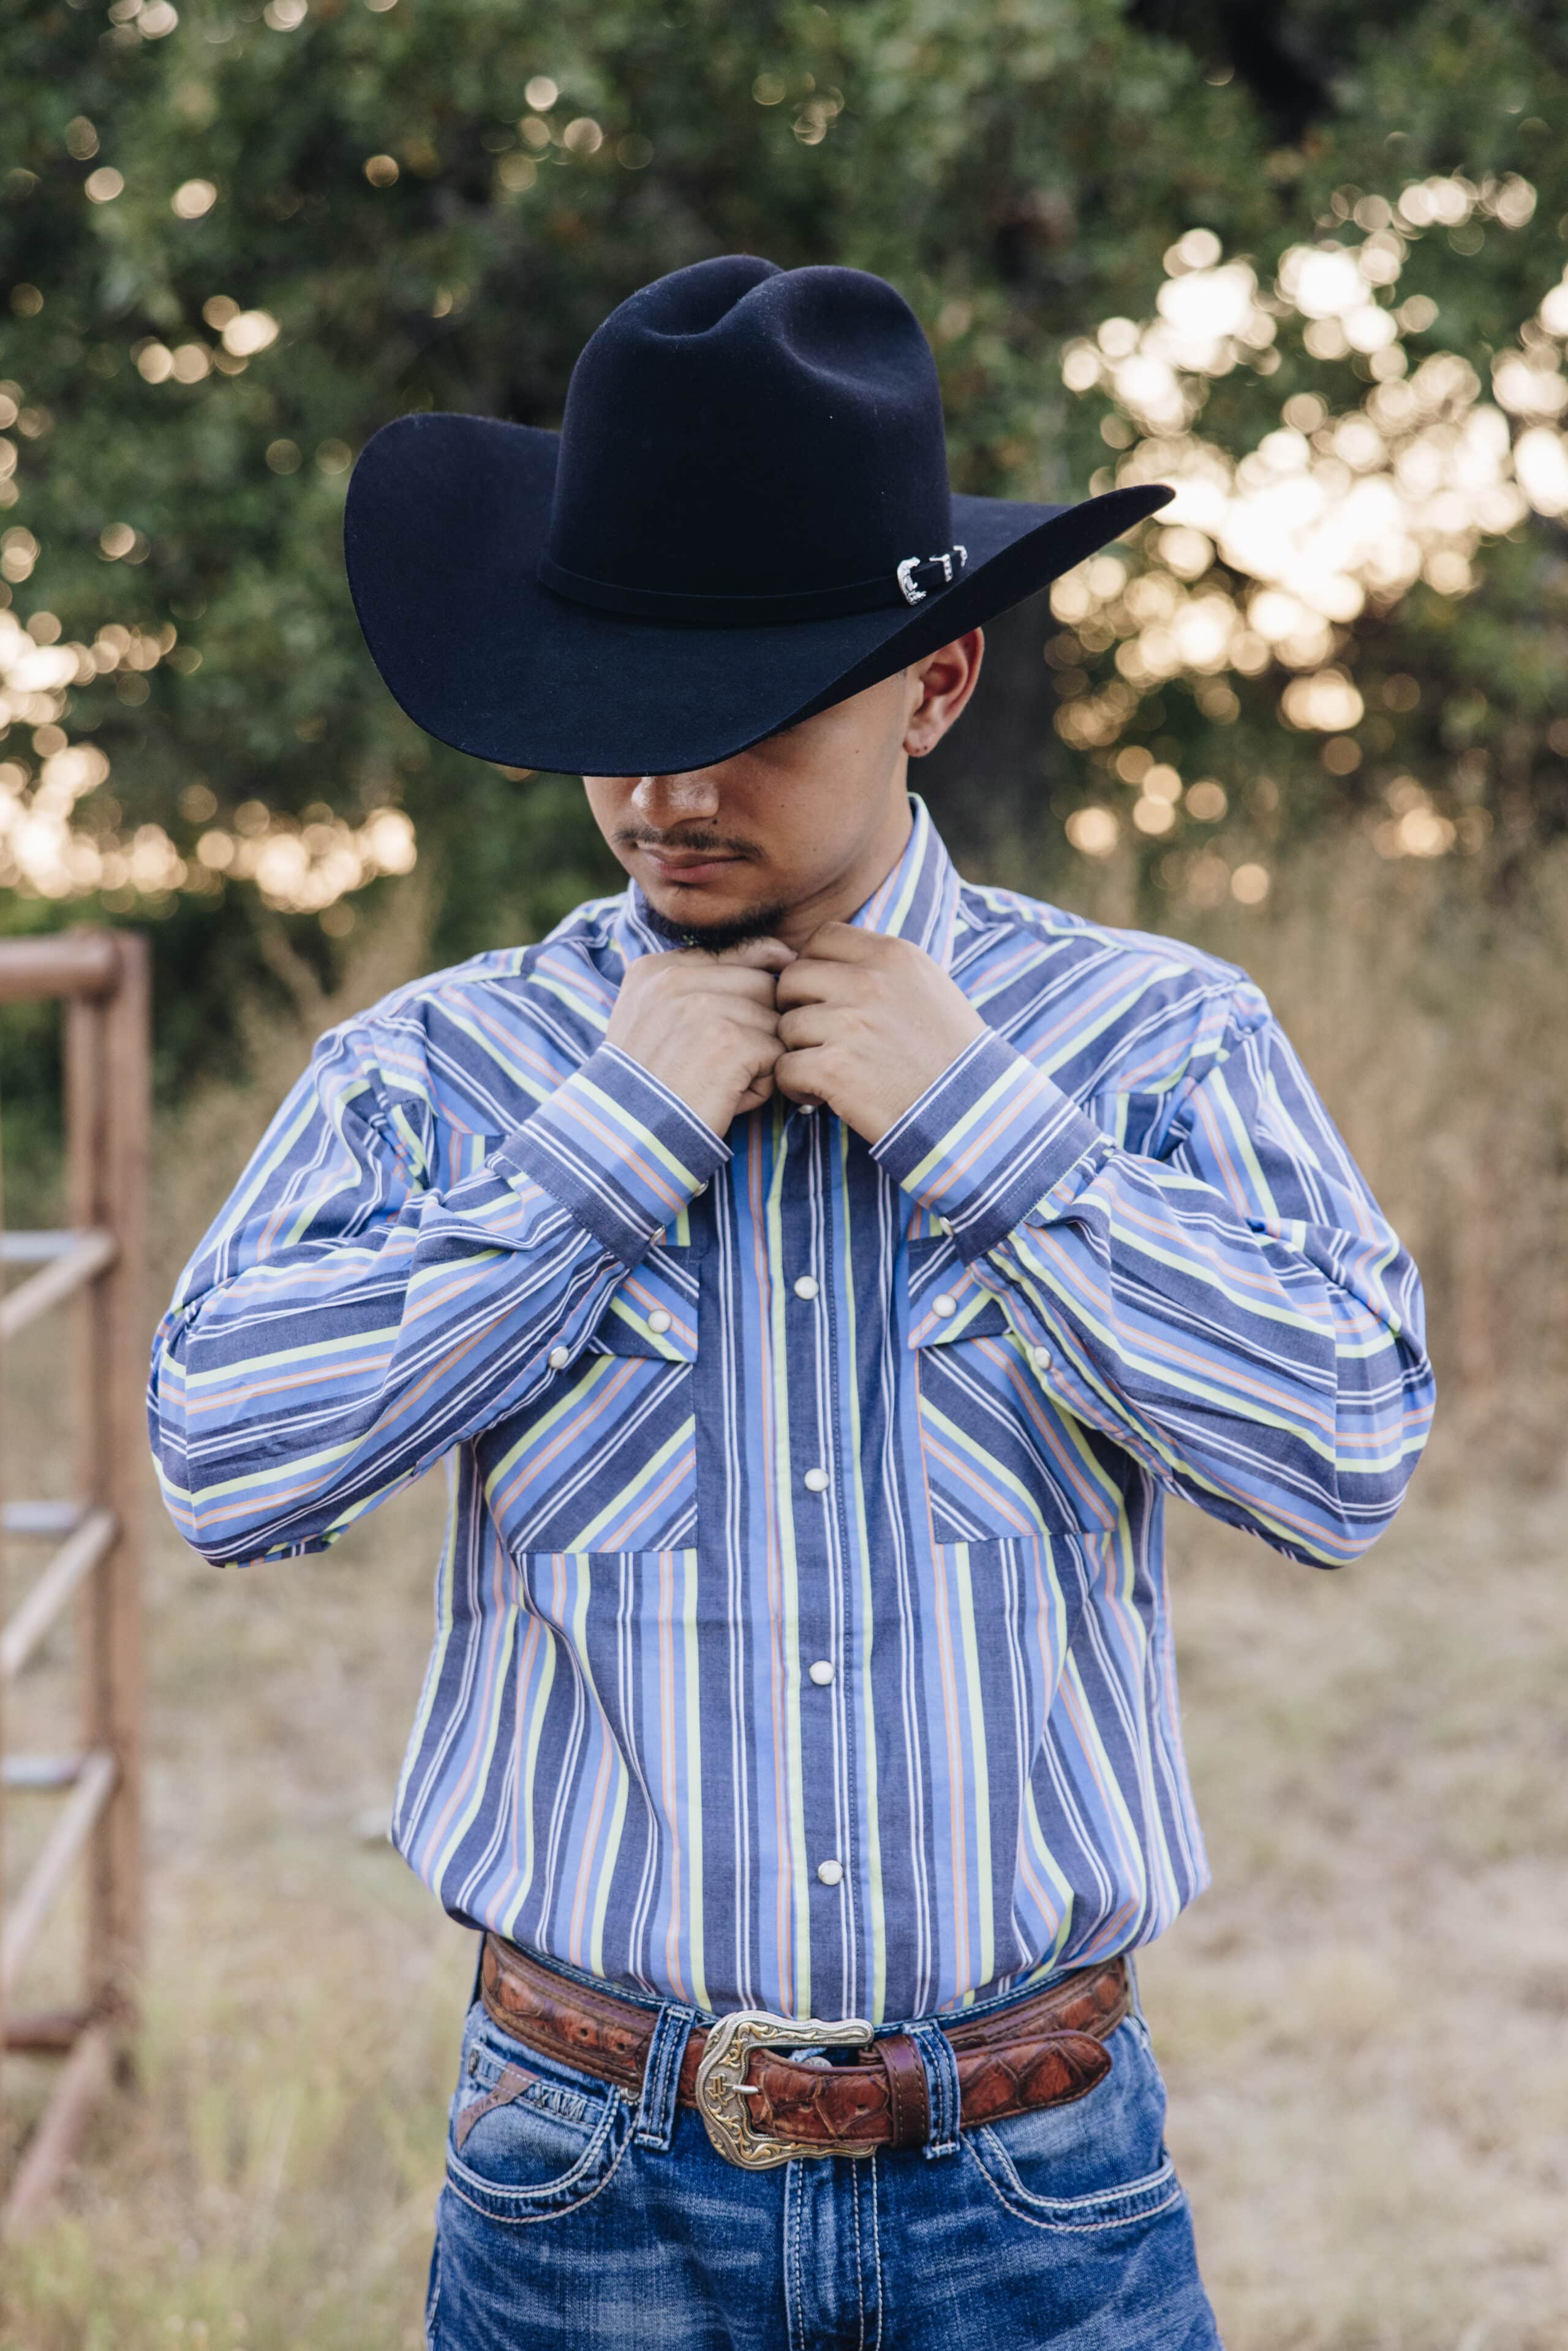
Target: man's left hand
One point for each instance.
(868, 1022)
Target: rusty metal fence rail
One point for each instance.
(90, 1547)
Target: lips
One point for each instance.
(687, 869)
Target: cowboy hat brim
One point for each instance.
(445, 520)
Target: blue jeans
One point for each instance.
(573, 2217)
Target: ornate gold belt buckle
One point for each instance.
(722, 2090)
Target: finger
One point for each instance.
(805, 1026)
(758, 1078)
(751, 1019)
(843, 943)
(803, 1076)
(736, 983)
(809, 981)
(761, 1088)
(751, 954)
(760, 1041)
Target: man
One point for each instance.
(815, 1272)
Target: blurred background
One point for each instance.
(1306, 262)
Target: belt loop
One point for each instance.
(661, 2078)
(942, 2085)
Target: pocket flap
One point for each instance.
(653, 1311)
(947, 1300)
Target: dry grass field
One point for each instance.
(1365, 2023)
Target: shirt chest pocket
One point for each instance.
(605, 1459)
(998, 1456)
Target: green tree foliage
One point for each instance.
(235, 240)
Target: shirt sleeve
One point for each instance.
(1234, 1310)
(345, 1323)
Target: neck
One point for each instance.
(848, 891)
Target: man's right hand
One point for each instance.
(705, 1026)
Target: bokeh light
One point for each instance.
(1265, 561)
(50, 845)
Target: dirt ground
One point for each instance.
(1363, 2023)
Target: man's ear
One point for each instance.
(944, 679)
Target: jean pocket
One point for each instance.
(1098, 2163)
(528, 2139)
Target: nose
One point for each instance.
(665, 801)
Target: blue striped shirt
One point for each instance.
(802, 1631)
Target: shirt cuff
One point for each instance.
(617, 1149)
(988, 1141)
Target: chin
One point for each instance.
(701, 919)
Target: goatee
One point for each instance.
(714, 938)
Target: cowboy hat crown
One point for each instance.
(745, 443)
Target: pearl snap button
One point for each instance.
(831, 1872)
(944, 1304)
(1041, 1358)
(805, 1286)
(654, 1238)
(816, 1481)
(821, 1672)
(944, 1227)
(558, 1358)
(658, 1319)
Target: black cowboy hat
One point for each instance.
(744, 518)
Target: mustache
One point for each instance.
(696, 844)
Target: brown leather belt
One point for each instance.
(761, 2108)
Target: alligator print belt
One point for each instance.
(762, 2107)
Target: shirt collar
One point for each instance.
(918, 901)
